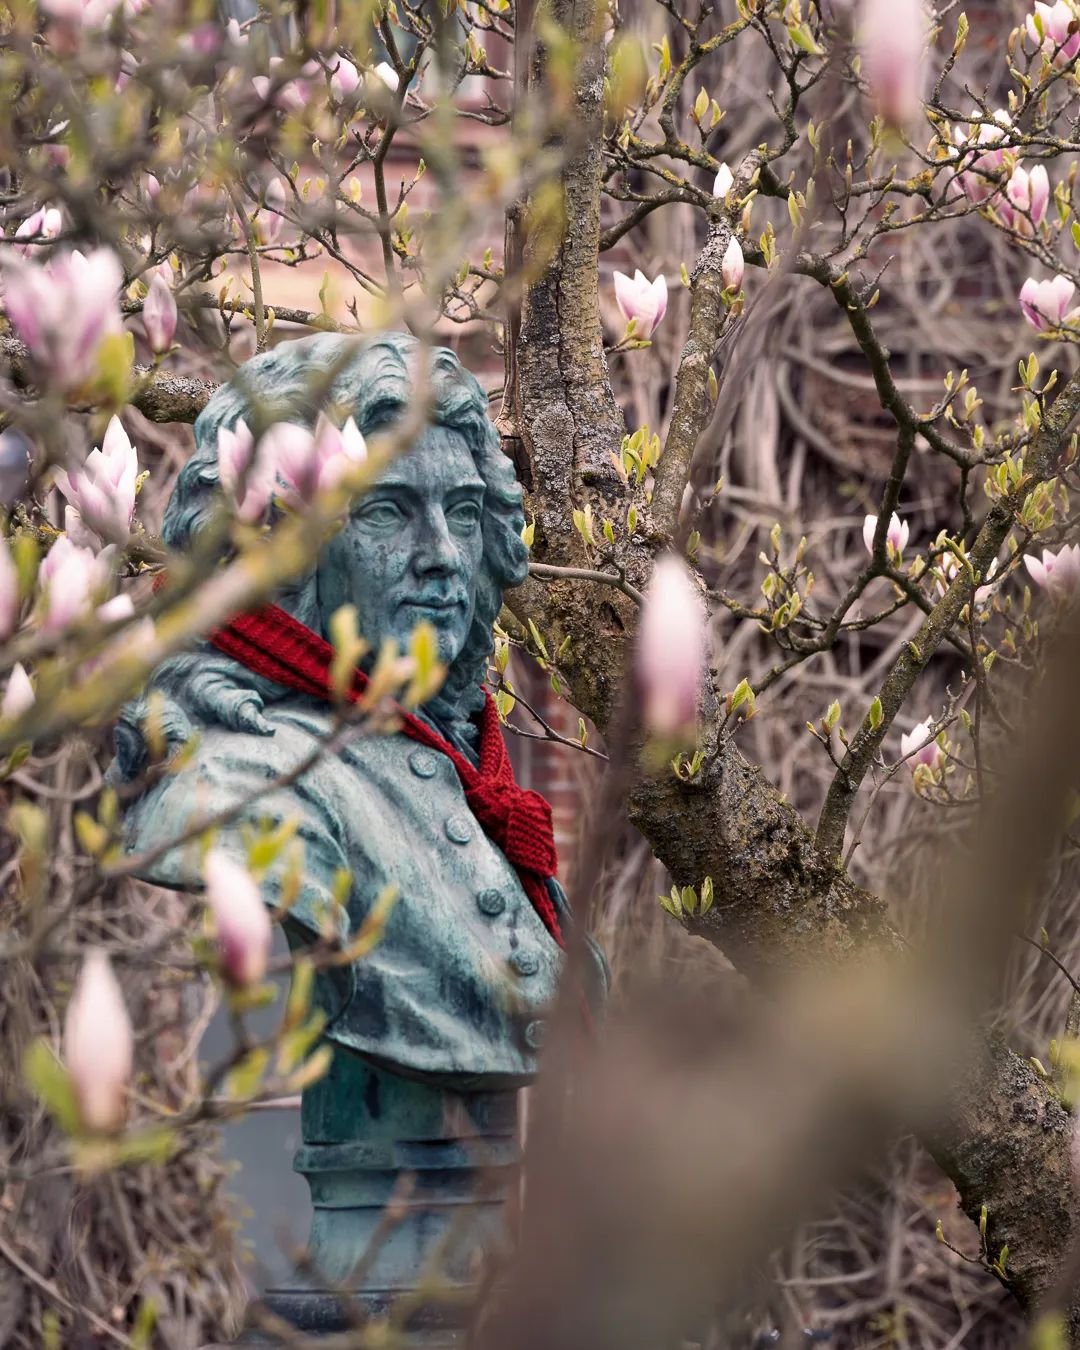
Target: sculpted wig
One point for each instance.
(369, 381)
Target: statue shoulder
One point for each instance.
(246, 774)
(293, 736)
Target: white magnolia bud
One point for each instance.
(241, 918)
(98, 1045)
(671, 651)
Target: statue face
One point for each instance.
(412, 548)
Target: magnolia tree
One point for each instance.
(649, 217)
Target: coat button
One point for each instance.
(525, 962)
(535, 1033)
(458, 830)
(491, 902)
(423, 763)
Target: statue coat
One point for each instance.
(458, 986)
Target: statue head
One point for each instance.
(436, 538)
(413, 548)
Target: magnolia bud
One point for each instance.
(733, 266)
(642, 300)
(247, 474)
(892, 37)
(1039, 180)
(69, 578)
(671, 651)
(919, 746)
(98, 1045)
(18, 696)
(896, 536)
(345, 79)
(1045, 304)
(46, 223)
(242, 921)
(159, 316)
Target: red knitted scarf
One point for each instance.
(274, 644)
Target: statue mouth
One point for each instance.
(434, 605)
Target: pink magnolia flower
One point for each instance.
(337, 449)
(63, 309)
(1045, 304)
(725, 181)
(291, 450)
(18, 696)
(9, 592)
(920, 739)
(45, 223)
(345, 80)
(733, 266)
(895, 539)
(1057, 573)
(69, 577)
(242, 921)
(1057, 41)
(99, 1045)
(309, 463)
(1028, 197)
(892, 38)
(102, 492)
(670, 651)
(247, 476)
(159, 316)
(643, 300)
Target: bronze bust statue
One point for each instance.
(448, 1009)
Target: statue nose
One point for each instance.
(436, 552)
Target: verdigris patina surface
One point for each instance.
(435, 1028)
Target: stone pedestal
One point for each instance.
(409, 1184)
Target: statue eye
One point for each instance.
(379, 513)
(464, 515)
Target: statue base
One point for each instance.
(319, 1312)
(405, 1212)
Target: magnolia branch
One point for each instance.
(159, 397)
(1040, 465)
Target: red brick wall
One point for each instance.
(561, 773)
